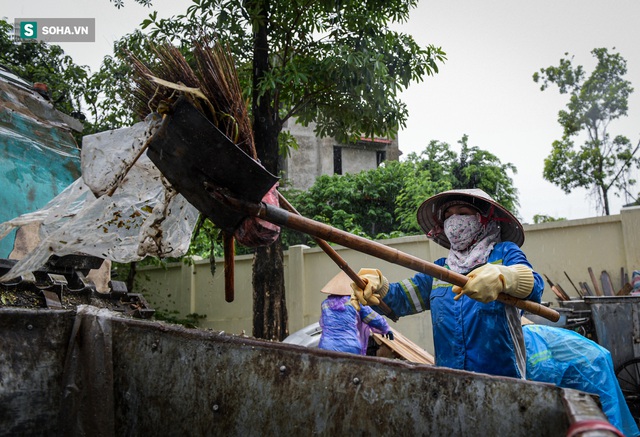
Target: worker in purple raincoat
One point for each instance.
(345, 328)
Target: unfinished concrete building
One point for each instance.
(319, 156)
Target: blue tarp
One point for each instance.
(569, 360)
(38, 158)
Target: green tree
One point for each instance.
(46, 63)
(108, 91)
(477, 168)
(363, 204)
(439, 168)
(431, 173)
(335, 63)
(601, 162)
(542, 218)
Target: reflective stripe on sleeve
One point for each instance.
(438, 283)
(370, 317)
(413, 295)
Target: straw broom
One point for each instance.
(212, 86)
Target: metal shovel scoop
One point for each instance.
(189, 150)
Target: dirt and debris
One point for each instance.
(32, 297)
(63, 284)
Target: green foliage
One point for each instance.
(602, 162)
(332, 63)
(541, 218)
(120, 3)
(47, 63)
(363, 203)
(109, 91)
(431, 174)
(205, 235)
(287, 143)
(478, 168)
(382, 203)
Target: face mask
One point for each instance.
(462, 230)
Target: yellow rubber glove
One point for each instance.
(486, 282)
(375, 289)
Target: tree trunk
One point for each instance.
(605, 199)
(269, 303)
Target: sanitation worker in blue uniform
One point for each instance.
(471, 329)
(346, 328)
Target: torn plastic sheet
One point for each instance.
(143, 217)
(33, 136)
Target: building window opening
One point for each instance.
(381, 156)
(337, 160)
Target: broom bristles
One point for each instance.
(214, 74)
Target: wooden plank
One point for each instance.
(585, 289)
(560, 294)
(625, 291)
(405, 349)
(596, 287)
(607, 286)
(564, 293)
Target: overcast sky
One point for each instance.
(484, 90)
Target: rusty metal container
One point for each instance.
(575, 304)
(617, 324)
(95, 372)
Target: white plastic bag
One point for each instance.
(143, 217)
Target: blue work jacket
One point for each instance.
(468, 334)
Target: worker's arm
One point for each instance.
(374, 320)
(406, 297)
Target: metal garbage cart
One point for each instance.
(616, 321)
(579, 317)
(575, 315)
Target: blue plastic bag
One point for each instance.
(569, 360)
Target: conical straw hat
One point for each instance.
(340, 284)
(430, 214)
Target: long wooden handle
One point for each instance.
(340, 262)
(300, 223)
(229, 247)
(596, 287)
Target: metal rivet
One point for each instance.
(29, 327)
(356, 380)
(215, 407)
(283, 368)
